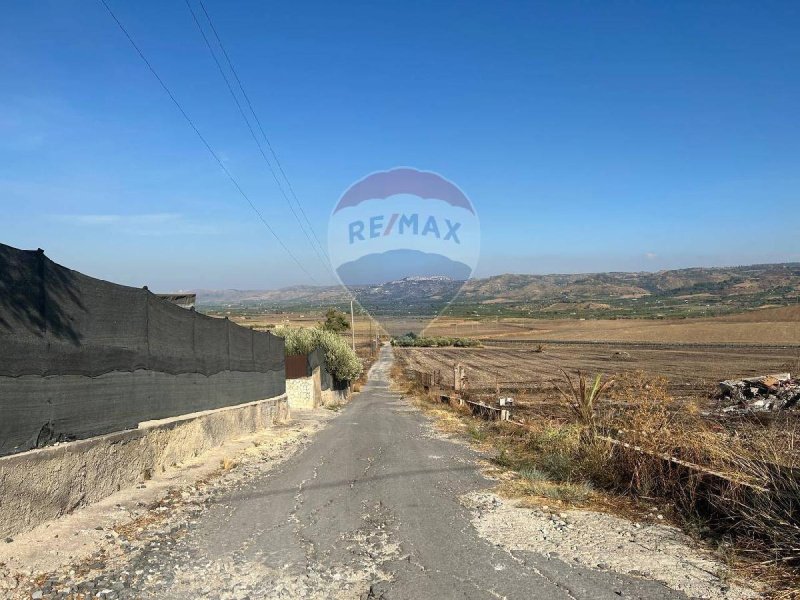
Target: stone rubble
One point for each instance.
(766, 393)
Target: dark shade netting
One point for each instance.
(80, 356)
(241, 348)
(211, 344)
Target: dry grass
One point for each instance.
(745, 494)
(226, 464)
(745, 499)
(740, 487)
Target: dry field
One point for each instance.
(690, 371)
(767, 326)
(692, 354)
(364, 325)
(775, 326)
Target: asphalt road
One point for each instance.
(369, 509)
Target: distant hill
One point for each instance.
(674, 293)
(395, 265)
(294, 294)
(726, 281)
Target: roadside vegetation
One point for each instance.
(616, 445)
(340, 359)
(335, 321)
(412, 340)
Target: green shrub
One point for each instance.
(340, 359)
(300, 340)
(533, 474)
(410, 339)
(571, 493)
(476, 433)
(335, 321)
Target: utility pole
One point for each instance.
(353, 324)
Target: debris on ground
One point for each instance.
(648, 549)
(766, 393)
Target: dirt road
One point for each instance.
(372, 507)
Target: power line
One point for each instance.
(261, 128)
(203, 139)
(326, 263)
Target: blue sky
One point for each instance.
(589, 136)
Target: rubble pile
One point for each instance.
(765, 393)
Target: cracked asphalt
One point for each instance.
(369, 508)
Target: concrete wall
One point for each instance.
(305, 392)
(332, 396)
(36, 411)
(300, 393)
(40, 485)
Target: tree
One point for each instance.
(335, 321)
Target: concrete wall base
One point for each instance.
(40, 485)
(300, 392)
(330, 397)
(305, 392)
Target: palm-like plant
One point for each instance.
(583, 398)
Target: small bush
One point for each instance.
(340, 359)
(559, 465)
(476, 433)
(504, 460)
(569, 493)
(335, 321)
(411, 340)
(533, 474)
